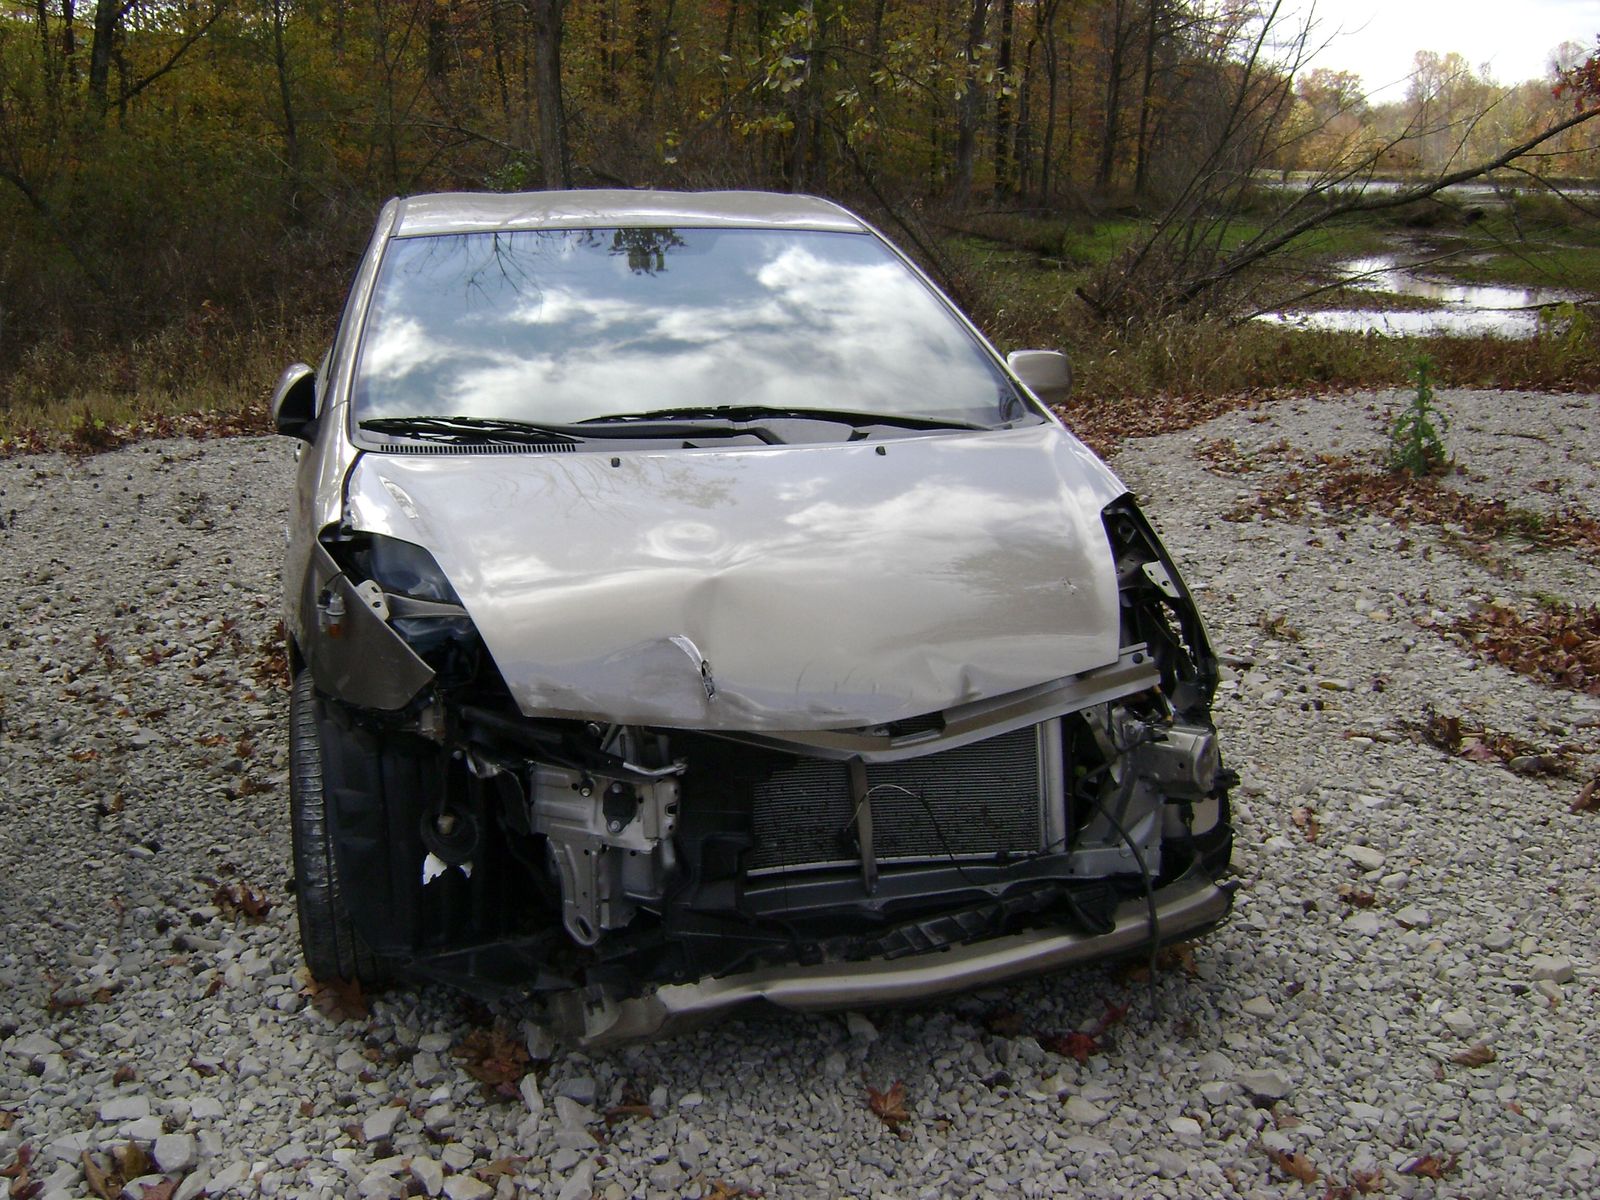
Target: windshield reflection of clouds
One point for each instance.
(561, 325)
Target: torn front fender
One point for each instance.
(353, 654)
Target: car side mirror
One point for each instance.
(1047, 373)
(294, 403)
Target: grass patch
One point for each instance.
(184, 380)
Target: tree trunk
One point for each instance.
(969, 108)
(1113, 103)
(1141, 168)
(107, 19)
(1004, 150)
(553, 164)
(291, 138)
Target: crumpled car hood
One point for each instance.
(771, 588)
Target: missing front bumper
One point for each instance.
(1183, 909)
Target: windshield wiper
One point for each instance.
(475, 429)
(505, 429)
(759, 412)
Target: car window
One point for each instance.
(569, 325)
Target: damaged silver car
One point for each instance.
(689, 607)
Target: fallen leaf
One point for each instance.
(1305, 820)
(495, 1059)
(242, 900)
(1369, 1181)
(23, 1185)
(1356, 898)
(1475, 1055)
(103, 1182)
(203, 1069)
(339, 999)
(726, 1191)
(308, 1108)
(124, 1074)
(1003, 1022)
(621, 1112)
(131, 1159)
(509, 1165)
(1296, 1166)
(1073, 1045)
(890, 1106)
(7, 1119)
(1589, 799)
(1427, 1166)
(161, 1190)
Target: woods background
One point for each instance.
(187, 180)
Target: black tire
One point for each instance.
(332, 947)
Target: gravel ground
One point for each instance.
(143, 770)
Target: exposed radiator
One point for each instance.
(977, 801)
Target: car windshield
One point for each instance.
(569, 325)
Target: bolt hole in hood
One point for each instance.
(773, 588)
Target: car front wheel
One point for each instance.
(332, 947)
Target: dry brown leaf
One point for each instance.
(1003, 1022)
(104, 1182)
(8, 1118)
(1305, 820)
(727, 1191)
(339, 999)
(509, 1165)
(124, 1074)
(1357, 898)
(160, 1190)
(23, 1185)
(495, 1059)
(1428, 1166)
(890, 1106)
(131, 1159)
(242, 900)
(1474, 1056)
(1296, 1166)
(1589, 799)
(1368, 1182)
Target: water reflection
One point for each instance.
(564, 325)
(1459, 309)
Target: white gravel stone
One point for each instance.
(1365, 857)
(1459, 1022)
(532, 1098)
(1557, 968)
(426, 1068)
(124, 1108)
(429, 1173)
(176, 1152)
(1259, 1006)
(1084, 1112)
(859, 1028)
(457, 1157)
(1265, 1084)
(1187, 1130)
(467, 1187)
(380, 1126)
(1414, 917)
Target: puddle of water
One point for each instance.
(1463, 309)
(1472, 191)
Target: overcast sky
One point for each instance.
(1515, 37)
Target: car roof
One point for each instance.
(464, 212)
